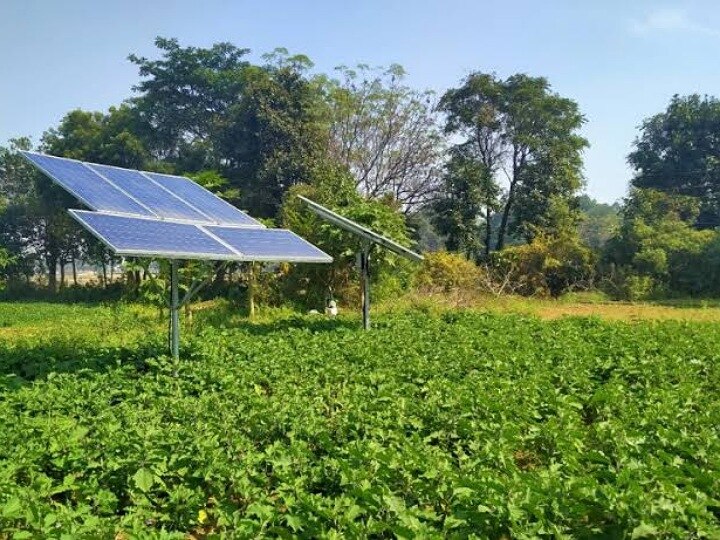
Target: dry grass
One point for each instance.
(581, 305)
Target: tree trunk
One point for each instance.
(62, 274)
(74, 270)
(488, 231)
(104, 273)
(251, 291)
(52, 272)
(506, 214)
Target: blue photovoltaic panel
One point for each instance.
(269, 244)
(152, 237)
(86, 185)
(148, 193)
(211, 205)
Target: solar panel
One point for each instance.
(269, 244)
(359, 230)
(141, 237)
(142, 188)
(209, 204)
(90, 188)
(158, 215)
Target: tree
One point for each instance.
(276, 134)
(386, 134)
(469, 191)
(678, 151)
(263, 127)
(35, 226)
(658, 250)
(185, 93)
(521, 129)
(113, 138)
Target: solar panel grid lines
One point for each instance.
(268, 244)
(177, 197)
(100, 173)
(136, 236)
(86, 185)
(115, 189)
(163, 203)
(146, 214)
(203, 200)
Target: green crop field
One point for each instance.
(435, 424)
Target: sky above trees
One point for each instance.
(621, 61)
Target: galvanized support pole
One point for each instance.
(174, 311)
(365, 271)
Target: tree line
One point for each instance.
(490, 170)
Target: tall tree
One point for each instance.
(521, 130)
(34, 223)
(185, 93)
(114, 138)
(386, 134)
(261, 126)
(276, 134)
(468, 192)
(678, 151)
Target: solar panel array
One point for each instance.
(147, 214)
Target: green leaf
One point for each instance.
(294, 522)
(13, 508)
(643, 531)
(144, 479)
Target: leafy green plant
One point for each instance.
(435, 424)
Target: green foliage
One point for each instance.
(114, 138)
(598, 222)
(335, 189)
(658, 243)
(469, 191)
(549, 265)
(262, 127)
(489, 426)
(520, 128)
(677, 152)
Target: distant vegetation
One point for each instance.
(491, 170)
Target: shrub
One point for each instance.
(447, 271)
(549, 265)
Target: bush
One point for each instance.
(448, 271)
(549, 265)
(624, 284)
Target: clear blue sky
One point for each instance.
(621, 60)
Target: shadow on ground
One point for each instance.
(21, 364)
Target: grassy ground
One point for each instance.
(123, 323)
